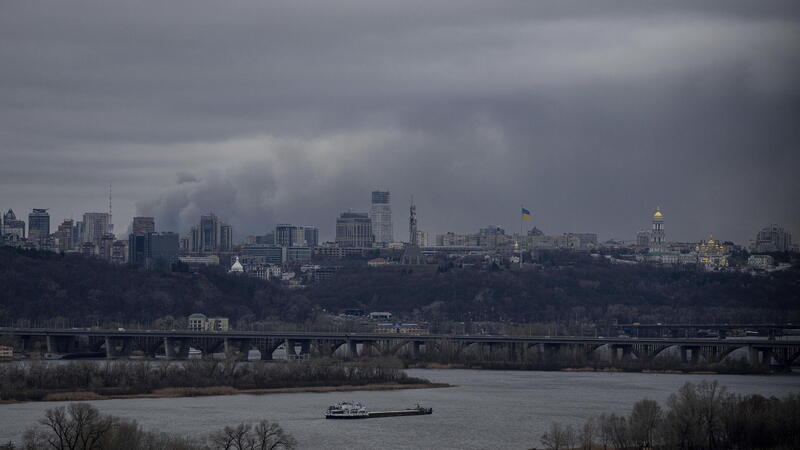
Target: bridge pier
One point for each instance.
(352, 349)
(117, 347)
(173, 352)
(237, 348)
(266, 347)
(760, 356)
(416, 347)
(550, 352)
(514, 352)
(690, 354)
(62, 344)
(305, 349)
(621, 353)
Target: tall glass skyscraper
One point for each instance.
(380, 215)
(38, 225)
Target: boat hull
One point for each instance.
(338, 416)
(378, 414)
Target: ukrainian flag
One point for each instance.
(526, 214)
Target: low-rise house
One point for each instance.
(199, 322)
(6, 351)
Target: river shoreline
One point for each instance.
(224, 390)
(605, 369)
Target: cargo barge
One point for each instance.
(347, 410)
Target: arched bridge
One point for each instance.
(176, 344)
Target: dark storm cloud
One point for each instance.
(589, 113)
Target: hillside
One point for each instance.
(566, 287)
(43, 285)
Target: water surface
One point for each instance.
(486, 409)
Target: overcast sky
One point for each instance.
(589, 113)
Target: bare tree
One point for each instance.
(644, 419)
(620, 433)
(232, 438)
(559, 437)
(265, 435)
(588, 433)
(606, 431)
(76, 427)
(270, 436)
(711, 397)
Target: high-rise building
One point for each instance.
(137, 249)
(194, 239)
(95, 226)
(143, 225)
(354, 229)
(311, 235)
(657, 235)
(772, 238)
(106, 246)
(153, 250)
(225, 237)
(289, 236)
(38, 226)
(212, 235)
(162, 250)
(77, 235)
(64, 235)
(13, 226)
(119, 252)
(381, 216)
(209, 233)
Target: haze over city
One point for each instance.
(589, 115)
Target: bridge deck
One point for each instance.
(301, 336)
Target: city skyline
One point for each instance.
(590, 116)
(235, 237)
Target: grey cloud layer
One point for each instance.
(591, 113)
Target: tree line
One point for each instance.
(81, 426)
(36, 380)
(697, 416)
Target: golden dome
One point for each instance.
(658, 214)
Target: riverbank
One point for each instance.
(73, 396)
(715, 369)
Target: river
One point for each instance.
(485, 409)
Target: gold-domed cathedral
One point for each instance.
(657, 235)
(712, 254)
